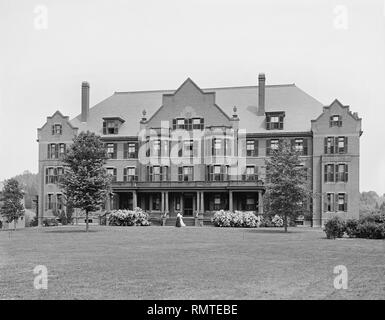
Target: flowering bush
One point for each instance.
(277, 221)
(243, 219)
(136, 217)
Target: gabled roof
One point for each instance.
(299, 107)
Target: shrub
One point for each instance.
(34, 222)
(371, 230)
(351, 227)
(50, 222)
(136, 217)
(245, 219)
(334, 228)
(375, 217)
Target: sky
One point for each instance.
(330, 49)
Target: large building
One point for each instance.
(195, 151)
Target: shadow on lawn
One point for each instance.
(65, 230)
(272, 230)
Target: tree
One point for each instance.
(287, 191)
(12, 208)
(85, 182)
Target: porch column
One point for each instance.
(166, 203)
(202, 202)
(181, 203)
(198, 202)
(134, 200)
(150, 204)
(230, 201)
(260, 202)
(162, 206)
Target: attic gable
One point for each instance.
(189, 101)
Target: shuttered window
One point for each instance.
(252, 147)
(329, 173)
(130, 150)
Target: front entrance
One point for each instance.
(188, 205)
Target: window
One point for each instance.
(59, 201)
(156, 202)
(50, 203)
(156, 173)
(342, 144)
(53, 152)
(250, 203)
(112, 173)
(250, 174)
(111, 126)
(274, 120)
(335, 121)
(252, 148)
(271, 145)
(188, 124)
(185, 173)
(198, 123)
(129, 174)
(334, 145)
(180, 123)
(217, 202)
(298, 145)
(60, 172)
(50, 175)
(342, 202)
(217, 173)
(329, 145)
(62, 150)
(111, 150)
(57, 129)
(342, 172)
(329, 173)
(217, 147)
(130, 150)
(156, 148)
(329, 202)
(188, 148)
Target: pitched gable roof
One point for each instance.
(300, 108)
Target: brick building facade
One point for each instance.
(200, 150)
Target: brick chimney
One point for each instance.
(85, 100)
(261, 94)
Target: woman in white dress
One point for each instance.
(179, 220)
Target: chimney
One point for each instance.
(85, 100)
(261, 94)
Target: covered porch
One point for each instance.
(191, 203)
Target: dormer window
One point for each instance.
(335, 121)
(188, 124)
(274, 120)
(111, 125)
(57, 129)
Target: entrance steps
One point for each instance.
(188, 221)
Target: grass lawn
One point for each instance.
(187, 263)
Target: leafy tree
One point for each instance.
(287, 191)
(85, 181)
(12, 207)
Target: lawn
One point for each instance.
(188, 263)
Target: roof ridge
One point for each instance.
(206, 89)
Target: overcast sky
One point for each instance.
(330, 49)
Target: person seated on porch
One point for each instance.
(179, 220)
